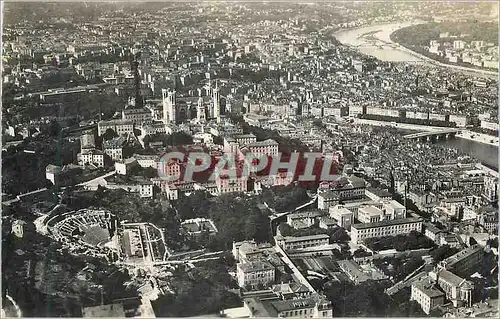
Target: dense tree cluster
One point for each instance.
(398, 268)
(23, 172)
(411, 241)
(174, 139)
(285, 198)
(368, 300)
(360, 252)
(422, 34)
(200, 291)
(442, 252)
(236, 218)
(48, 285)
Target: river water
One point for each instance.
(487, 154)
(379, 46)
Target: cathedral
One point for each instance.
(182, 109)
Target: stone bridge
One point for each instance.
(439, 134)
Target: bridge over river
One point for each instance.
(427, 136)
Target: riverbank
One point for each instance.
(380, 45)
(463, 134)
(479, 137)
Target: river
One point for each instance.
(376, 44)
(487, 154)
(375, 41)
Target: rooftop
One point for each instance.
(379, 192)
(371, 210)
(268, 142)
(461, 255)
(388, 223)
(253, 266)
(426, 286)
(289, 239)
(112, 310)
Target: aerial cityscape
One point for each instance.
(248, 159)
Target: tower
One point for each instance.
(200, 111)
(134, 66)
(169, 107)
(216, 102)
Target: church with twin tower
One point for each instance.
(179, 110)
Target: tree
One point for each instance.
(360, 252)
(493, 242)
(442, 252)
(340, 235)
(109, 134)
(472, 241)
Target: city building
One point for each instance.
(342, 215)
(137, 116)
(303, 219)
(244, 139)
(327, 199)
(432, 232)
(18, 227)
(315, 306)
(226, 184)
(426, 293)
(145, 160)
(255, 273)
(146, 189)
(87, 140)
(458, 290)
(302, 242)
(53, 173)
(92, 156)
(169, 106)
(124, 166)
(114, 148)
(360, 232)
(370, 214)
(120, 127)
(465, 261)
(268, 147)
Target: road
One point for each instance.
(278, 215)
(97, 179)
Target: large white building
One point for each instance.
(342, 215)
(457, 289)
(253, 273)
(137, 116)
(268, 147)
(114, 148)
(120, 127)
(231, 184)
(426, 294)
(302, 242)
(360, 232)
(314, 306)
(370, 214)
(92, 156)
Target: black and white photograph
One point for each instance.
(249, 159)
